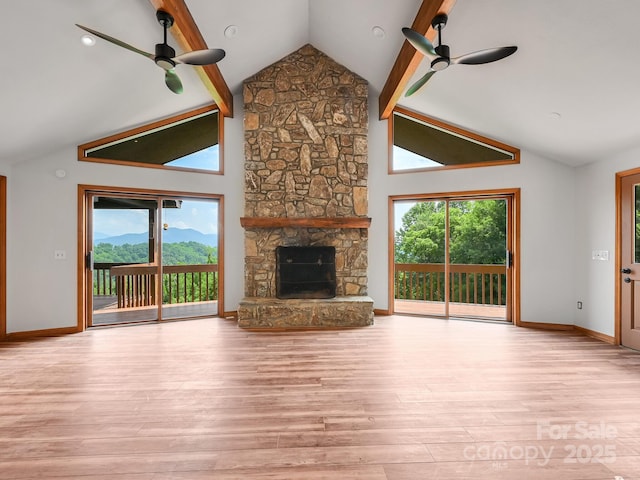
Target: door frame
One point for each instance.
(3, 257)
(85, 281)
(513, 237)
(618, 254)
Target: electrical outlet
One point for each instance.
(60, 254)
(579, 305)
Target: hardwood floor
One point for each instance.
(408, 398)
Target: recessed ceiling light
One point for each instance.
(231, 31)
(378, 32)
(88, 40)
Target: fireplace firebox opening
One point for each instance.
(305, 272)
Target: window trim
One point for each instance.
(454, 130)
(84, 156)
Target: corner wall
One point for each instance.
(596, 218)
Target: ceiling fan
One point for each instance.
(165, 56)
(440, 56)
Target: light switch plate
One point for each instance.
(600, 255)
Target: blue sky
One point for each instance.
(207, 159)
(198, 215)
(406, 160)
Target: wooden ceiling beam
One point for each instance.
(409, 58)
(187, 34)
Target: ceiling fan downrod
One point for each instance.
(164, 53)
(444, 59)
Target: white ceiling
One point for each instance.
(575, 57)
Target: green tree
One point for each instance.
(181, 253)
(479, 236)
(476, 229)
(127, 253)
(421, 237)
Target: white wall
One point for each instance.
(547, 216)
(595, 214)
(42, 217)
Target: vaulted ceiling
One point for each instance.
(570, 93)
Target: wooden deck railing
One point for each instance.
(103, 283)
(477, 284)
(134, 284)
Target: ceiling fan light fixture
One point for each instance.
(164, 62)
(439, 64)
(164, 55)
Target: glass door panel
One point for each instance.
(123, 254)
(477, 258)
(420, 283)
(189, 258)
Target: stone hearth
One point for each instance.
(351, 311)
(306, 123)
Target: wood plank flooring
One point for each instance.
(408, 398)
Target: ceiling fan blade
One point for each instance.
(420, 42)
(485, 56)
(419, 84)
(173, 81)
(116, 42)
(201, 57)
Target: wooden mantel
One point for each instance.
(305, 222)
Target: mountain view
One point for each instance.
(181, 246)
(171, 235)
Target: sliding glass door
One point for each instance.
(151, 258)
(452, 256)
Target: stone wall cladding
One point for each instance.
(260, 260)
(306, 125)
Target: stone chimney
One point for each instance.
(306, 123)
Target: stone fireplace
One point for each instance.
(305, 124)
